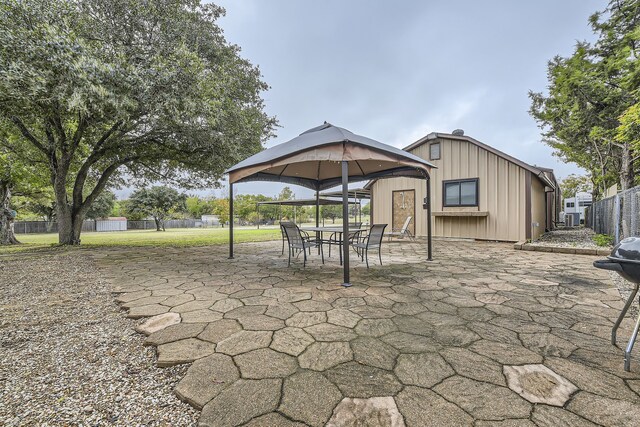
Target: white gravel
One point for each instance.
(574, 237)
(68, 356)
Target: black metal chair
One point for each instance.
(284, 235)
(373, 240)
(335, 239)
(300, 243)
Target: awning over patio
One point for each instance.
(324, 157)
(354, 193)
(304, 202)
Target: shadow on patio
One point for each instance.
(482, 333)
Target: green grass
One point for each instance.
(176, 237)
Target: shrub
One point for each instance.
(603, 240)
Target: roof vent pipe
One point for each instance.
(458, 132)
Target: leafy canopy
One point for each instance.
(118, 91)
(589, 115)
(158, 202)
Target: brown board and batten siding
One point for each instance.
(503, 188)
(538, 208)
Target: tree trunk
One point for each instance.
(69, 228)
(159, 223)
(627, 176)
(7, 237)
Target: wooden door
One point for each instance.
(404, 205)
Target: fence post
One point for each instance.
(616, 218)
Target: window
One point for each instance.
(434, 151)
(571, 205)
(461, 192)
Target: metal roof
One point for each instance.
(359, 193)
(304, 202)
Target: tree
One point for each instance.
(102, 206)
(589, 92)
(331, 211)
(17, 178)
(196, 207)
(158, 202)
(366, 209)
(221, 209)
(108, 90)
(573, 184)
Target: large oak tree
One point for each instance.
(106, 92)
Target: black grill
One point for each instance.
(625, 260)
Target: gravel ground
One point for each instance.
(68, 356)
(578, 237)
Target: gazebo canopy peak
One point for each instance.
(313, 160)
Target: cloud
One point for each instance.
(444, 118)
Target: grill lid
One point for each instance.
(628, 250)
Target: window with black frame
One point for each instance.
(463, 192)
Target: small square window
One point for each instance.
(434, 151)
(461, 192)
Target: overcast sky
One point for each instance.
(398, 70)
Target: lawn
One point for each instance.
(171, 237)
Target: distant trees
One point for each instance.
(591, 115)
(158, 202)
(102, 205)
(573, 184)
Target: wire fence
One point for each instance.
(617, 216)
(32, 227)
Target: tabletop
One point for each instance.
(331, 229)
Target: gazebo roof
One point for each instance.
(313, 160)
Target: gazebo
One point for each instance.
(324, 157)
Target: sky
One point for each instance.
(395, 71)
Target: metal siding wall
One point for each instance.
(538, 212)
(501, 193)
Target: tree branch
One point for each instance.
(101, 184)
(27, 134)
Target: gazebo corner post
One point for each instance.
(317, 208)
(230, 220)
(345, 222)
(429, 231)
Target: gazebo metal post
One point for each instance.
(345, 222)
(230, 221)
(429, 248)
(258, 211)
(318, 216)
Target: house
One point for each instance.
(477, 192)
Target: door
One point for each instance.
(404, 205)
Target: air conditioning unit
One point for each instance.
(568, 220)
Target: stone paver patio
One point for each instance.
(483, 335)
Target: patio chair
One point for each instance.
(284, 235)
(404, 231)
(373, 240)
(334, 239)
(299, 242)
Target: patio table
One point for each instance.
(338, 230)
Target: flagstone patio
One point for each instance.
(483, 335)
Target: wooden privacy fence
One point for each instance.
(617, 216)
